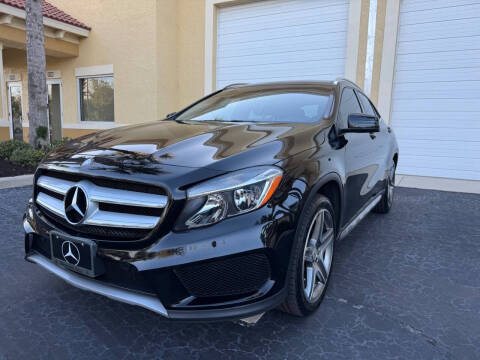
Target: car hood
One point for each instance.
(197, 144)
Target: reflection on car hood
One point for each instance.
(214, 145)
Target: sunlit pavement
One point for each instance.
(405, 285)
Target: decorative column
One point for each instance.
(3, 92)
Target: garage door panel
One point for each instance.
(281, 40)
(432, 30)
(297, 73)
(280, 46)
(439, 14)
(439, 134)
(412, 145)
(287, 32)
(439, 162)
(416, 5)
(426, 61)
(438, 172)
(452, 74)
(304, 68)
(467, 166)
(436, 151)
(250, 25)
(438, 45)
(284, 19)
(275, 64)
(436, 105)
(286, 57)
(425, 90)
(433, 115)
(278, 51)
(441, 92)
(255, 9)
(452, 123)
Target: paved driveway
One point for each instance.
(405, 286)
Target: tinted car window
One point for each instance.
(367, 107)
(348, 105)
(275, 106)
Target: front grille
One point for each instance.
(112, 210)
(231, 276)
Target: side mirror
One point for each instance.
(170, 115)
(360, 123)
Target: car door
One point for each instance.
(382, 140)
(361, 162)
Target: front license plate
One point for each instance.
(77, 254)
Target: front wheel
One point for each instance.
(311, 259)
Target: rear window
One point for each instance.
(275, 106)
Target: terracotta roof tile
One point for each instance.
(49, 11)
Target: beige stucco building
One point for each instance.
(160, 53)
(115, 62)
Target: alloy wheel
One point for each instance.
(317, 255)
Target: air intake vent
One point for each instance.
(231, 276)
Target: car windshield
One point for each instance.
(266, 106)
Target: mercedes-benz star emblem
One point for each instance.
(75, 205)
(70, 252)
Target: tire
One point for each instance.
(386, 202)
(301, 269)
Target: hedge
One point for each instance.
(21, 153)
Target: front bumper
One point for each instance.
(159, 300)
(152, 303)
(82, 282)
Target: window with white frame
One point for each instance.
(96, 98)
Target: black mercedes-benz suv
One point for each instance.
(223, 210)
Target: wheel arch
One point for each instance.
(330, 185)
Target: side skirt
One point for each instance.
(360, 215)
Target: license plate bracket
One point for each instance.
(76, 254)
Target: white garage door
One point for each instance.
(281, 40)
(436, 94)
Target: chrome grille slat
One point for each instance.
(106, 195)
(112, 219)
(97, 195)
(51, 203)
(59, 186)
(126, 197)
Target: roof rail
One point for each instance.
(346, 80)
(234, 85)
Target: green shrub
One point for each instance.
(21, 153)
(42, 132)
(9, 146)
(27, 156)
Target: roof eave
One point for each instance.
(56, 24)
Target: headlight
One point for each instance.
(228, 195)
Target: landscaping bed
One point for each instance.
(19, 158)
(10, 169)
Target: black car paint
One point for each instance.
(177, 154)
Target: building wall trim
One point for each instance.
(389, 52)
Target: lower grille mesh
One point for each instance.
(233, 276)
